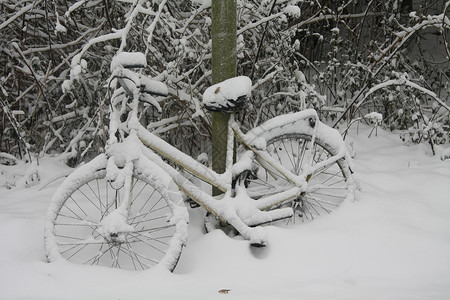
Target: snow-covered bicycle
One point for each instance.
(126, 208)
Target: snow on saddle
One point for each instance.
(229, 95)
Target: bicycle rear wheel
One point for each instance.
(74, 229)
(327, 188)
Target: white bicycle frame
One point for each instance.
(235, 207)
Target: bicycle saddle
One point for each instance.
(229, 95)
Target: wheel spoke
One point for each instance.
(155, 229)
(140, 256)
(316, 204)
(101, 253)
(88, 198)
(135, 258)
(96, 195)
(325, 194)
(76, 203)
(146, 242)
(81, 248)
(147, 213)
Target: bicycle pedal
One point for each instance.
(258, 245)
(192, 203)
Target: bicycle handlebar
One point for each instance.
(146, 85)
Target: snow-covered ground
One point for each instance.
(393, 243)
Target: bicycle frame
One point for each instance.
(223, 181)
(235, 207)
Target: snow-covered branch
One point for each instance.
(439, 21)
(403, 81)
(20, 13)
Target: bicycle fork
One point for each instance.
(114, 226)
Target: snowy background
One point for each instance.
(393, 243)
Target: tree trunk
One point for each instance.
(224, 64)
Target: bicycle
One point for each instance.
(126, 208)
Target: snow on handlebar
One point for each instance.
(122, 67)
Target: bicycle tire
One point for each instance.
(328, 188)
(74, 231)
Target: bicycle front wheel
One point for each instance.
(74, 229)
(327, 188)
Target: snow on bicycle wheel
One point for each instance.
(75, 228)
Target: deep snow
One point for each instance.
(392, 243)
